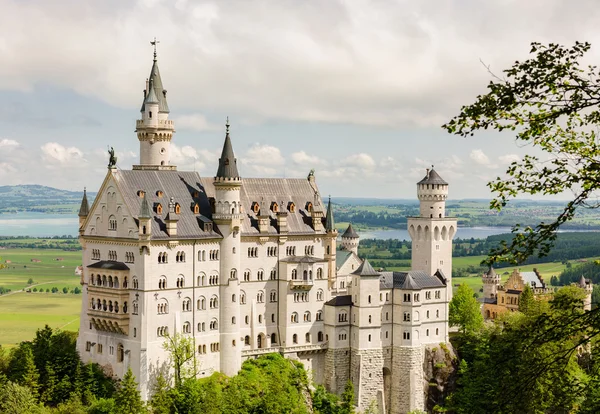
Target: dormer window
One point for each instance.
(140, 194)
(275, 207)
(255, 207)
(292, 207)
(196, 209)
(158, 208)
(226, 162)
(177, 208)
(159, 194)
(196, 194)
(309, 207)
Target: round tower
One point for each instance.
(154, 129)
(586, 284)
(350, 240)
(228, 184)
(432, 192)
(491, 281)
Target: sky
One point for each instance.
(355, 89)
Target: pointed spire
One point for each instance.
(491, 272)
(84, 210)
(144, 209)
(329, 222)
(151, 97)
(156, 84)
(227, 162)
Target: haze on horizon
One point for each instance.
(356, 90)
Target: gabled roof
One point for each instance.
(344, 300)
(108, 264)
(365, 270)
(155, 84)
(411, 280)
(84, 209)
(532, 279)
(350, 233)
(227, 162)
(341, 256)
(432, 177)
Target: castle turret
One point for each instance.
(228, 184)
(491, 281)
(154, 129)
(586, 284)
(350, 240)
(432, 232)
(330, 244)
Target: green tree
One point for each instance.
(65, 290)
(552, 102)
(162, 400)
(47, 394)
(30, 281)
(183, 358)
(16, 399)
(526, 300)
(127, 398)
(465, 311)
(348, 399)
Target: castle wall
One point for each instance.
(407, 383)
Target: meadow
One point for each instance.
(22, 313)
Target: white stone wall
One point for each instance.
(407, 383)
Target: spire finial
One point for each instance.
(153, 43)
(227, 126)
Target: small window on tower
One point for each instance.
(149, 114)
(226, 161)
(159, 194)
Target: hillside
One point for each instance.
(39, 198)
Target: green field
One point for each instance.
(22, 313)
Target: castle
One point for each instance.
(498, 298)
(248, 266)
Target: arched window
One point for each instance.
(214, 302)
(186, 305)
(120, 353)
(307, 316)
(273, 275)
(320, 336)
(214, 324)
(294, 317)
(294, 274)
(187, 327)
(260, 297)
(112, 223)
(295, 338)
(307, 337)
(320, 273)
(273, 296)
(242, 297)
(273, 339)
(233, 274)
(162, 282)
(320, 295)
(319, 316)
(246, 340)
(201, 305)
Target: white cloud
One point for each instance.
(195, 122)
(479, 157)
(265, 160)
(186, 158)
(6, 144)
(304, 159)
(361, 160)
(509, 158)
(56, 153)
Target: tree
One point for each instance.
(65, 290)
(128, 399)
(464, 310)
(551, 102)
(526, 300)
(16, 399)
(183, 357)
(348, 399)
(161, 400)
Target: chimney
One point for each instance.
(282, 221)
(172, 219)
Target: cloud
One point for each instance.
(56, 153)
(6, 144)
(361, 160)
(265, 160)
(509, 158)
(195, 122)
(186, 157)
(479, 157)
(304, 159)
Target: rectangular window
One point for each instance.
(99, 348)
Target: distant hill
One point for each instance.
(40, 198)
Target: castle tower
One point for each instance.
(432, 232)
(154, 130)
(586, 284)
(227, 216)
(330, 245)
(491, 281)
(84, 210)
(350, 240)
(366, 360)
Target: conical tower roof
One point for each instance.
(365, 269)
(144, 209)
(151, 96)
(84, 209)
(491, 272)
(432, 177)
(329, 222)
(350, 233)
(227, 162)
(156, 86)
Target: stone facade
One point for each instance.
(249, 266)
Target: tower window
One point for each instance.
(149, 114)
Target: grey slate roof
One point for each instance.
(227, 162)
(411, 280)
(84, 209)
(432, 178)
(329, 223)
(108, 264)
(341, 256)
(145, 209)
(151, 96)
(532, 279)
(177, 184)
(155, 83)
(345, 300)
(491, 272)
(350, 233)
(279, 190)
(365, 270)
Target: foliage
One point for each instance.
(526, 300)
(527, 364)
(464, 310)
(550, 102)
(17, 399)
(183, 358)
(127, 398)
(348, 399)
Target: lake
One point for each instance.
(38, 224)
(463, 233)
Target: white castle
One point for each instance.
(249, 266)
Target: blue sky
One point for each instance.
(355, 89)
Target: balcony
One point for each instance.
(301, 284)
